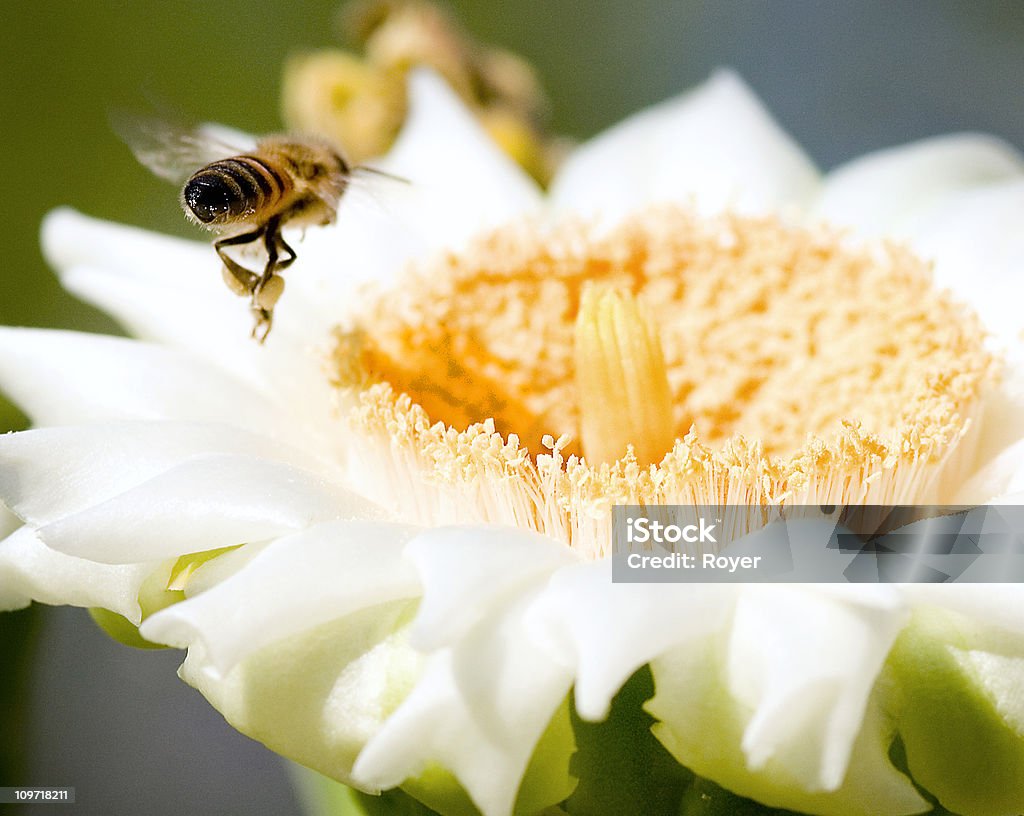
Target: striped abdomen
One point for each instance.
(232, 189)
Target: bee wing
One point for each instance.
(174, 152)
(373, 187)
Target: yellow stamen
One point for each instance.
(620, 376)
(798, 371)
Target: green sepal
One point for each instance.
(153, 596)
(186, 565)
(621, 766)
(438, 790)
(322, 796)
(546, 782)
(705, 798)
(119, 628)
(959, 747)
(549, 779)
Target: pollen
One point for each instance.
(550, 372)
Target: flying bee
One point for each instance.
(248, 195)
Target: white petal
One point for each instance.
(49, 473)
(461, 182)
(478, 711)
(368, 244)
(703, 726)
(62, 377)
(1001, 425)
(489, 685)
(515, 697)
(805, 666)
(604, 632)
(171, 291)
(998, 477)
(8, 521)
(995, 605)
(146, 267)
(319, 694)
(468, 571)
(296, 584)
(202, 504)
(289, 369)
(31, 571)
(716, 144)
(159, 288)
(977, 244)
(70, 239)
(886, 192)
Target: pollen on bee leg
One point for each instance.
(239, 287)
(266, 296)
(621, 379)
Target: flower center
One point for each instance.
(798, 370)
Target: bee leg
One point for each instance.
(271, 240)
(240, 280)
(237, 240)
(264, 320)
(282, 246)
(265, 289)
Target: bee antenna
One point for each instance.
(362, 168)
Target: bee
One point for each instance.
(247, 196)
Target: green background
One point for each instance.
(843, 78)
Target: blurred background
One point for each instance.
(78, 710)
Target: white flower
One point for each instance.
(358, 633)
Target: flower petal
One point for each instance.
(461, 183)
(295, 584)
(1001, 426)
(704, 726)
(469, 571)
(63, 377)
(159, 288)
(992, 605)
(207, 502)
(369, 244)
(496, 693)
(808, 692)
(49, 473)
(884, 193)
(70, 239)
(978, 248)
(281, 368)
(1001, 476)
(604, 632)
(494, 688)
(171, 292)
(318, 695)
(716, 144)
(31, 571)
(8, 521)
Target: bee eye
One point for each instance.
(209, 197)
